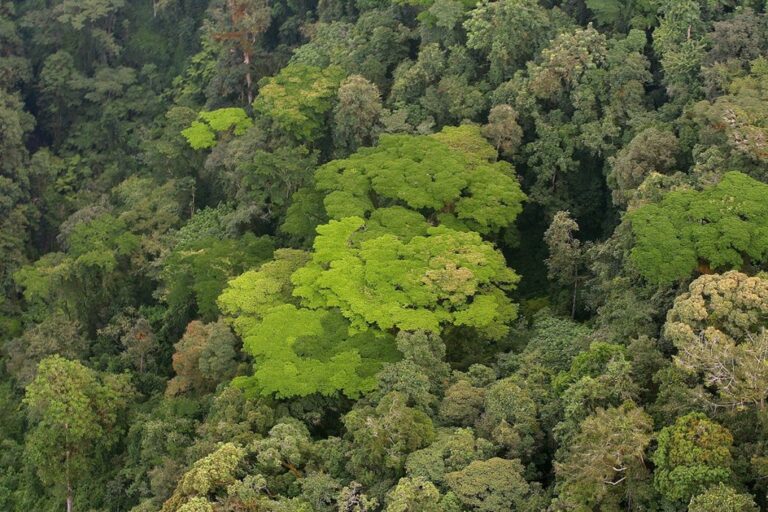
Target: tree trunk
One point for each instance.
(573, 300)
(248, 78)
(70, 497)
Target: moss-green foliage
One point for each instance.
(453, 175)
(196, 274)
(84, 278)
(201, 134)
(256, 292)
(692, 454)
(297, 99)
(74, 414)
(389, 271)
(296, 228)
(725, 226)
(493, 484)
(605, 461)
(722, 498)
(589, 363)
(635, 13)
(384, 435)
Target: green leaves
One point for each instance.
(297, 99)
(73, 411)
(452, 174)
(692, 455)
(725, 226)
(635, 13)
(197, 274)
(299, 351)
(317, 322)
(605, 459)
(202, 134)
(444, 278)
(381, 284)
(302, 351)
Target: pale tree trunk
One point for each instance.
(70, 497)
(248, 78)
(70, 494)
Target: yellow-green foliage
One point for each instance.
(725, 226)
(297, 99)
(299, 351)
(453, 175)
(202, 134)
(444, 278)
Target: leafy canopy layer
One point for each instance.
(446, 277)
(202, 134)
(452, 176)
(724, 226)
(299, 351)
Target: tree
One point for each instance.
(54, 335)
(634, 163)
(353, 499)
(92, 273)
(576, 102)
(204, 357)
(602, 378)
(462, 404)
(639, 14)
(718, 328)
(452, 450)
(304, 351)
(297, 99)
(604, 465)
(422, 373)
(413, 494)
(195, 274)
(502, 129)
(453, 175)
(75, 417)
(679, 43)
(565, 253)
(357, 115)
(241, 24)
(730, 132)
(692, 455)
(208, 476)
(299, 351)
(510, 418)
(721, 498)
(381, 437)
(492, 485)
(444, 278)
(286, 450)
(88, 28)
(691, 230)
(139, 342)
(201, 134)
(16, 212)
(509, 33)
(258, 179)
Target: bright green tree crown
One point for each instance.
(452, 177)
(724, 226)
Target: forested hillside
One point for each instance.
(383, 255)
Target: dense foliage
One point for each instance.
(384, 255)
